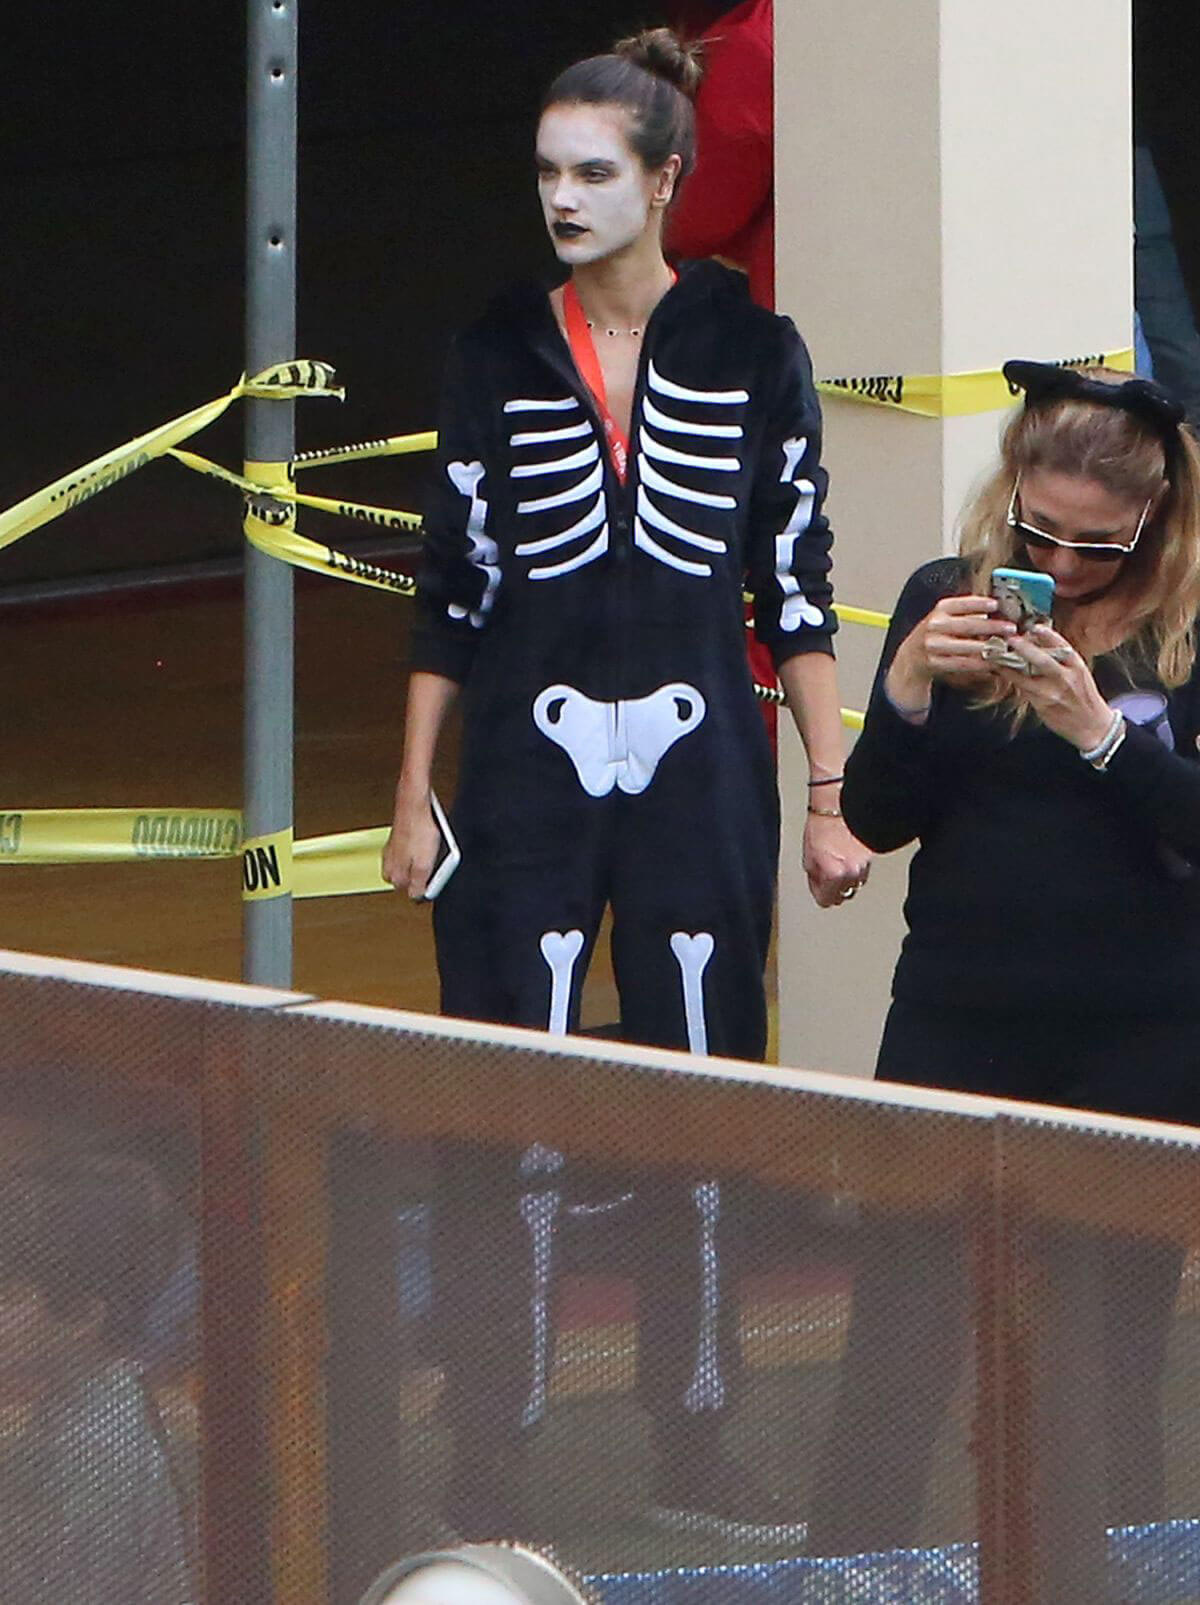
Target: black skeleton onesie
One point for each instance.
(613, 751)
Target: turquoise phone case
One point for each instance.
(1037, 589)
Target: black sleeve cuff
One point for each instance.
(436, 651)
(905, 739)
(788, 647)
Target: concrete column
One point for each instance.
(953, 188)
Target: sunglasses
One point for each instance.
(1099, 551)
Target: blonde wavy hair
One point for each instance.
(1160, 581)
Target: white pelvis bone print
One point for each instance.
(617, 743)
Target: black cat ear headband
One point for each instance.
(1144, 398)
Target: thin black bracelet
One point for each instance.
(829, 780)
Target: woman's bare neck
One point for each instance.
(622, 291)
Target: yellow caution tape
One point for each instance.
(298, 378)
(323, 866)
(390, 446)
(269, 525)
(848, 615)
(336, 866)
(953, 395)
(385, 517)
(267, 866)
(862, 615)
(301, 552)
(114, 835)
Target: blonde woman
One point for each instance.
(1053, 948)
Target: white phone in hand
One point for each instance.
(448, 856)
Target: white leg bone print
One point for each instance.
(617, 743)
(485, 554)
(560, 949)
(796, 609)
(539, 1211)
(692, 954)
(707, 1388)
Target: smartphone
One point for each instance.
(1026, 597)
(448, 855)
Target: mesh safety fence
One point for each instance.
(289, 1290)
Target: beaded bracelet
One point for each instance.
(825, 813)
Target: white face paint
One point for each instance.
(597, 197)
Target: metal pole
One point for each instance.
(272, 31)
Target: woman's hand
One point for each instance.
(1061, 691)
(946, 645)
(412, 845)
(836, 862)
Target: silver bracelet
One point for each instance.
(1099, 755)
(1101, 764)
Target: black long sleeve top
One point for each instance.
(538, 561)
(1039, 882)
(553, 591)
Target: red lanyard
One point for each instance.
(583, 349)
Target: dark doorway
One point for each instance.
(121, 195)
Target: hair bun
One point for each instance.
(663, 53)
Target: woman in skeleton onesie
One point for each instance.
(618, 460)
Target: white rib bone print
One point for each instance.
(660, 416)
(715, 398)
(565, 457)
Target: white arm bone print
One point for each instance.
(617, 743)
(484, 554)
(566, 460)
(796, 609)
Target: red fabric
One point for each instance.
(727, 207)
(583, 349)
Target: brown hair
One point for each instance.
(1160, 581)
(652, 75)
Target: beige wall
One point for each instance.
(953, 188)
